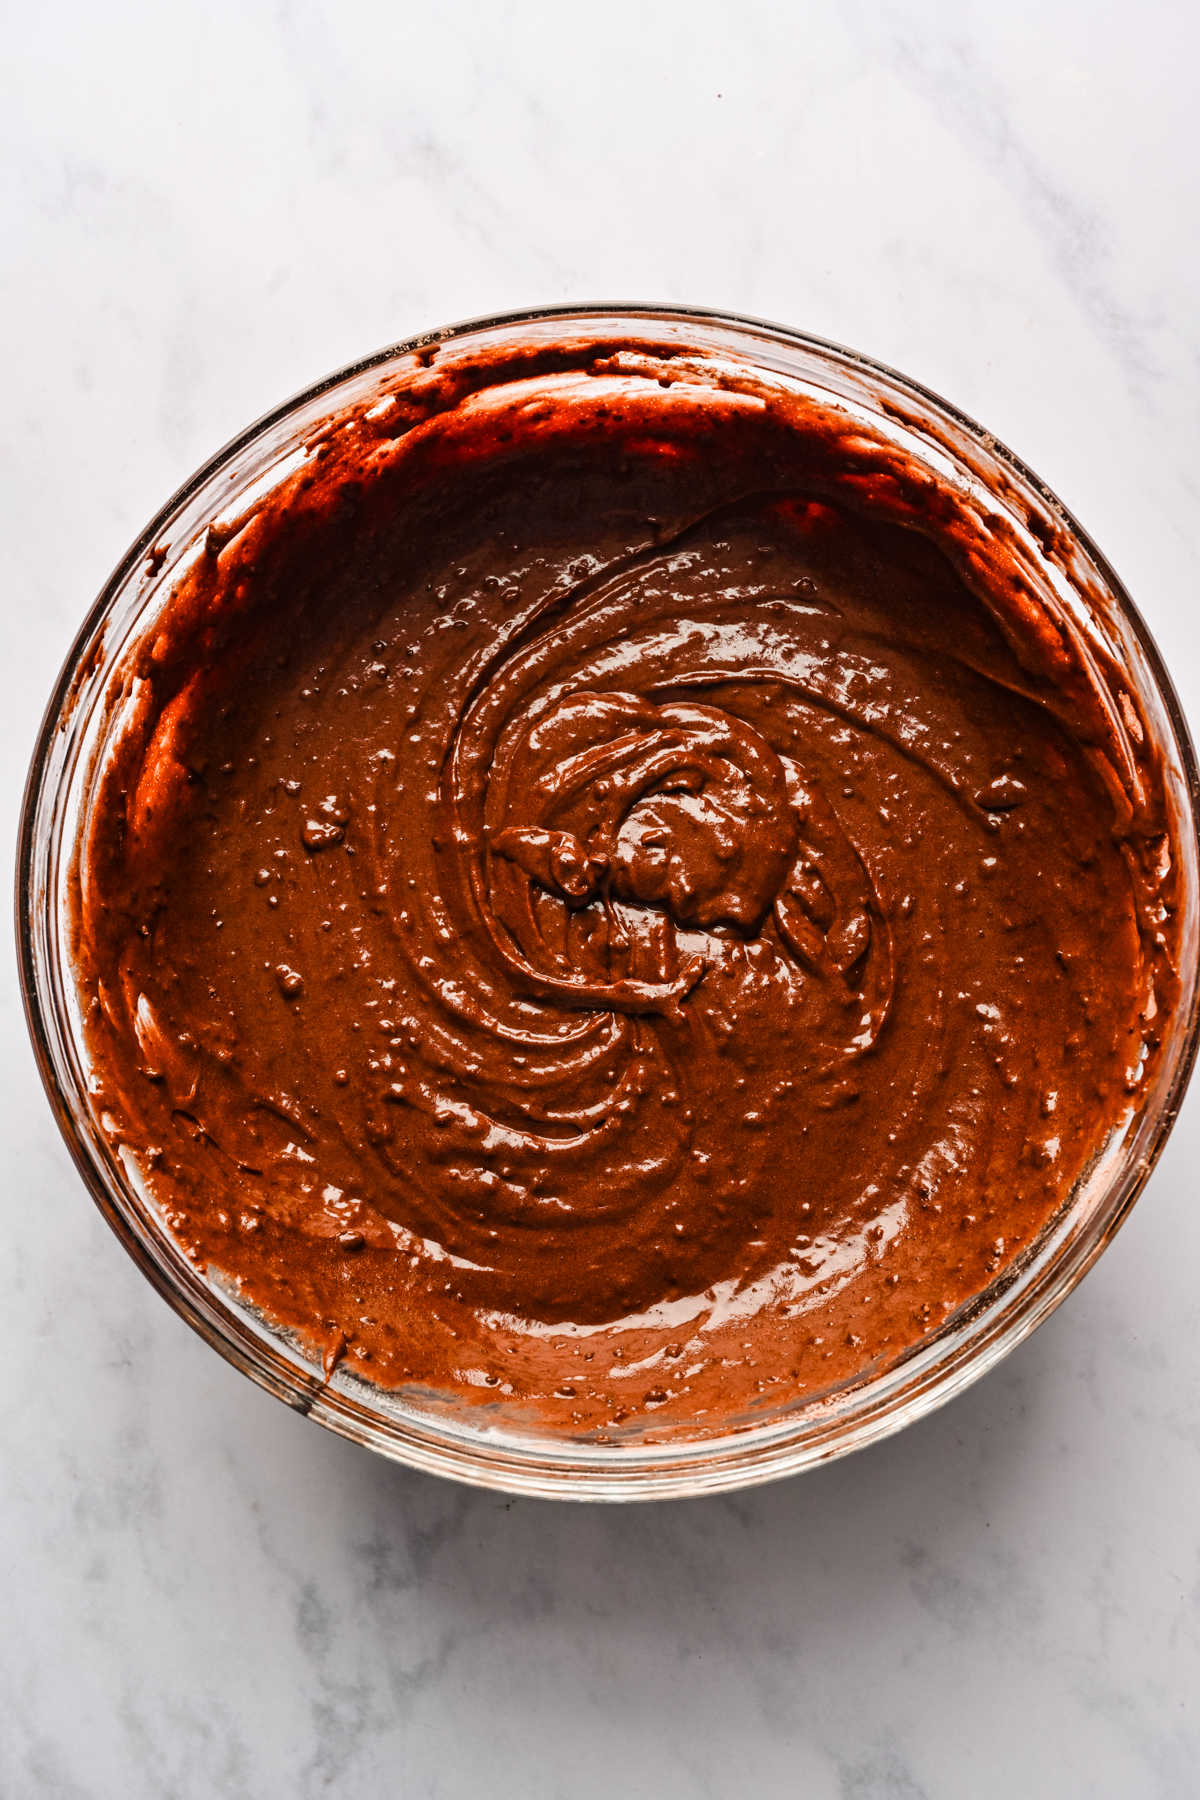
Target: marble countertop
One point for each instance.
(204, 207)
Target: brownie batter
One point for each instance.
(612, 893)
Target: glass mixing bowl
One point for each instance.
(418, 1429)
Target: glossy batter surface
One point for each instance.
(593, 908)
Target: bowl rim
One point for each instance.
(739, 1458)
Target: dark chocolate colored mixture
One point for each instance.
(613, 892)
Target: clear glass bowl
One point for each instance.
(417, 1430)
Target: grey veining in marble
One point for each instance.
(202, 208)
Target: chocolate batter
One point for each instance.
(615, 893)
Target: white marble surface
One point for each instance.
(203, 206)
